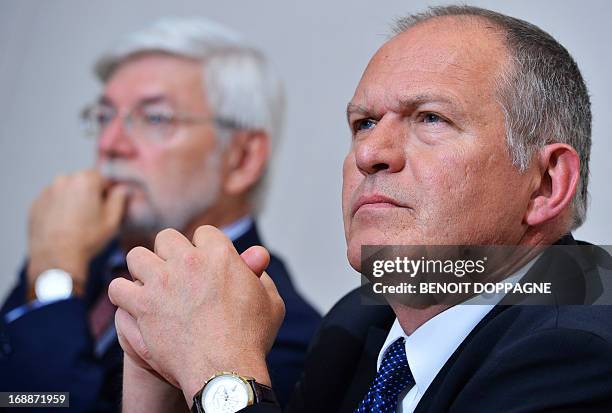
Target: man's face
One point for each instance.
(171, 179)
(428, 162)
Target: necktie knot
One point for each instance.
(392, 378)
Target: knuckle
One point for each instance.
(135, 254)
(200, 231)
(218, 245)
(165, 235)
(167, 232)
(114, 284)
(205, 232)
(114, 287)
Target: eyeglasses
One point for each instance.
(148, 122)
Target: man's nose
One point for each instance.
(114, 141)
(381, 149)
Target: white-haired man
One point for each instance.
(185, 128)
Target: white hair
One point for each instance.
(240, 85)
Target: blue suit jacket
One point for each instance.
(519, 358)
(51, 349)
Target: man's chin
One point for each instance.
(354, 258)
(139, 221)
(370, 236)
(353, 254)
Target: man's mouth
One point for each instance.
(374, 201)
(130, 185)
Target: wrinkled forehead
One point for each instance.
(156, 76)
(459, 57)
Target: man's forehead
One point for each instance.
(155, 77)
(442, 38)
(438, 57)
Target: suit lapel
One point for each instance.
(366, 368)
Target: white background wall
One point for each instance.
(319, 46)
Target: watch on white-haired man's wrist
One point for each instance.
(54, 284)
(228, 392)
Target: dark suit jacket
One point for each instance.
(545, 358)
(51, 349)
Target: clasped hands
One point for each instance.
(192, 310)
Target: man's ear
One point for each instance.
(559, 169)
(247, 158)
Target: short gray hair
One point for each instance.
(240, 84)
(542, 93)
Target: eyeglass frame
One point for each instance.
(127, 119)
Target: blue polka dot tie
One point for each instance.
(393, 377)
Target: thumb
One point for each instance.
(256, 258)
(115, 205)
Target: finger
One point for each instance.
(207, 235)
(171, 243)
(125, 294)
(93, 175)
(139, 367)
(115, 205)
(257, 258)
(133, 344)
(270, 287)
(275, 298)
(89, 178)
(144, 264)
(130, 338)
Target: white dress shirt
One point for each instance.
(430, 346)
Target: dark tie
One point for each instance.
(102, 314)
(393, 377)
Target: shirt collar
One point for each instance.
(238, 228)
(430, 346)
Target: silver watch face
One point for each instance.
(54, 284)
(226, 394)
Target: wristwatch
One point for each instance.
(53, 284)
(229, 392)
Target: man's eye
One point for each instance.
(432, 118)
(158, 119)
(104, 118)
(363, 124)
(101, 115)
